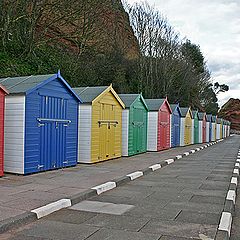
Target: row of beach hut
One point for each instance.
(49, 125)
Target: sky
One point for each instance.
(215, 26)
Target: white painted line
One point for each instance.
(208, 144)
(226, 222)
(197, 149)
(135, 175)
(234, 180)
(237, 165)
(169, 161)
(205, 146)
(178, 156)
(104, 187)
(231, 195)
(186, 153)
(236, 171)
(202, 148)
(193, 151)
(155, 167)
(52, 207)
(238, 160)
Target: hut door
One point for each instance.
(196, 131)
(53, 125)
(138, 128)
(176, 127)
(107, 125)
(210, 132)
(163, 130)
(204, 131)
(188, 128)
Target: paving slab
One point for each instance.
(198, 217)
(111, 234)
(128, 223)
(71, 216)
(102, 207)
(179, 229)
(58, 231)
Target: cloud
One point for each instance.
(215, 26)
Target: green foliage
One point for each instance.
(166, 65)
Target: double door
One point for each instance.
(139, 130)
(196, 131)
(107, 131)
(188, 131)
(175, 130)
(53, 128)
(164, 130)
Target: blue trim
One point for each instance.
(178, 109)
(55, 76)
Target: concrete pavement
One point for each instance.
(19, 194)
(181, 201)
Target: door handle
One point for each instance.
(40, 166)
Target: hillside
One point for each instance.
(91, 41)
(231, 111)
(85, 24)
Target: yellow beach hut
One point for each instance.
(186, 126)
(100, 124)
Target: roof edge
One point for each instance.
(4, 89)
(110, 89)
(55, 76)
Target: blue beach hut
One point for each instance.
(41, 124)
(175, 125)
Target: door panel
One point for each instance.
(175, 131)
(164, 129)
(204, 131)
(188, 127)
(107, 125)
(53, 124)
(196, 131)
(138, 130)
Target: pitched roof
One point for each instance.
(184, 111)
(201, 115)
(194, 112)
(214, 118)
(129, 99)
(209, 117)
(154, 104)
(17, 85)
(92, 94)
(3, 89)
(88, 94)
(27, 84)
(174, 106)
(219, 120)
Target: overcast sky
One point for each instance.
(215, 26)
